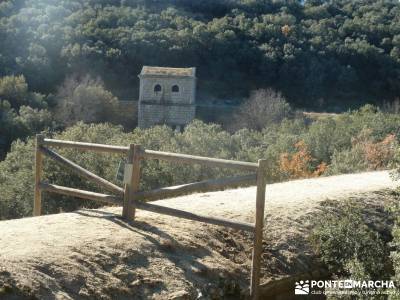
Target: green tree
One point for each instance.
(84, 100)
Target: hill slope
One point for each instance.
(93, 254)
(328, 51)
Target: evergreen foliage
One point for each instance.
(318, 53)
(289, 147)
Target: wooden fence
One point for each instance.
(131, 198)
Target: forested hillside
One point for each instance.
(318, 53)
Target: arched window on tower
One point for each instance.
(157, 88)
(175, 88)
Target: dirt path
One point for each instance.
(93, 254)
(284, 199)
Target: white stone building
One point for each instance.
(167, 96)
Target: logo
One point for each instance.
(345, 287)
(302, 287)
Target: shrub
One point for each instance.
(365, 154)
(17, 175)
(321, 139)
(16, 171)
(278, 144)
(337, 134)
(395, 254)
(262, 109)
(379, 154)
(346, 244)
(22, 113)
(299, 164)
(16, 181)
(30, 120)
(26, 122)
(347, 161)
(84, 99)
(197, 139)
(14, 89)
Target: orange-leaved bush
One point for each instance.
(300, 163)
(377, 154)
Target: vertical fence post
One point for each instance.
(37, 204)
(258, 231)
(132, 186)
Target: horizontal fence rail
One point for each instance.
(201, 186)
(86, 146)
(130, 197)
(194, 217)
(190, 159)
(146, 206)
(151, 154)
(80, 193)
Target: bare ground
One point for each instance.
(93, 254)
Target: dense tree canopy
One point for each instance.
(316, 52)
(22, 113)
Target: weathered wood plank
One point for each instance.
(146, 206)
(132, 186)
(258, 231)
(86, 146)
(191, 159)
(80, 193)
(201, 186)
(135, 179)
(194, 217)
(81, 171)
(37, 204)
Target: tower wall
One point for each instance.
(174, 108)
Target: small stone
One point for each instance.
(179, 295)
(135, 282)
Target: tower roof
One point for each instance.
(164, 71)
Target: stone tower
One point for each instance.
(167, 96)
